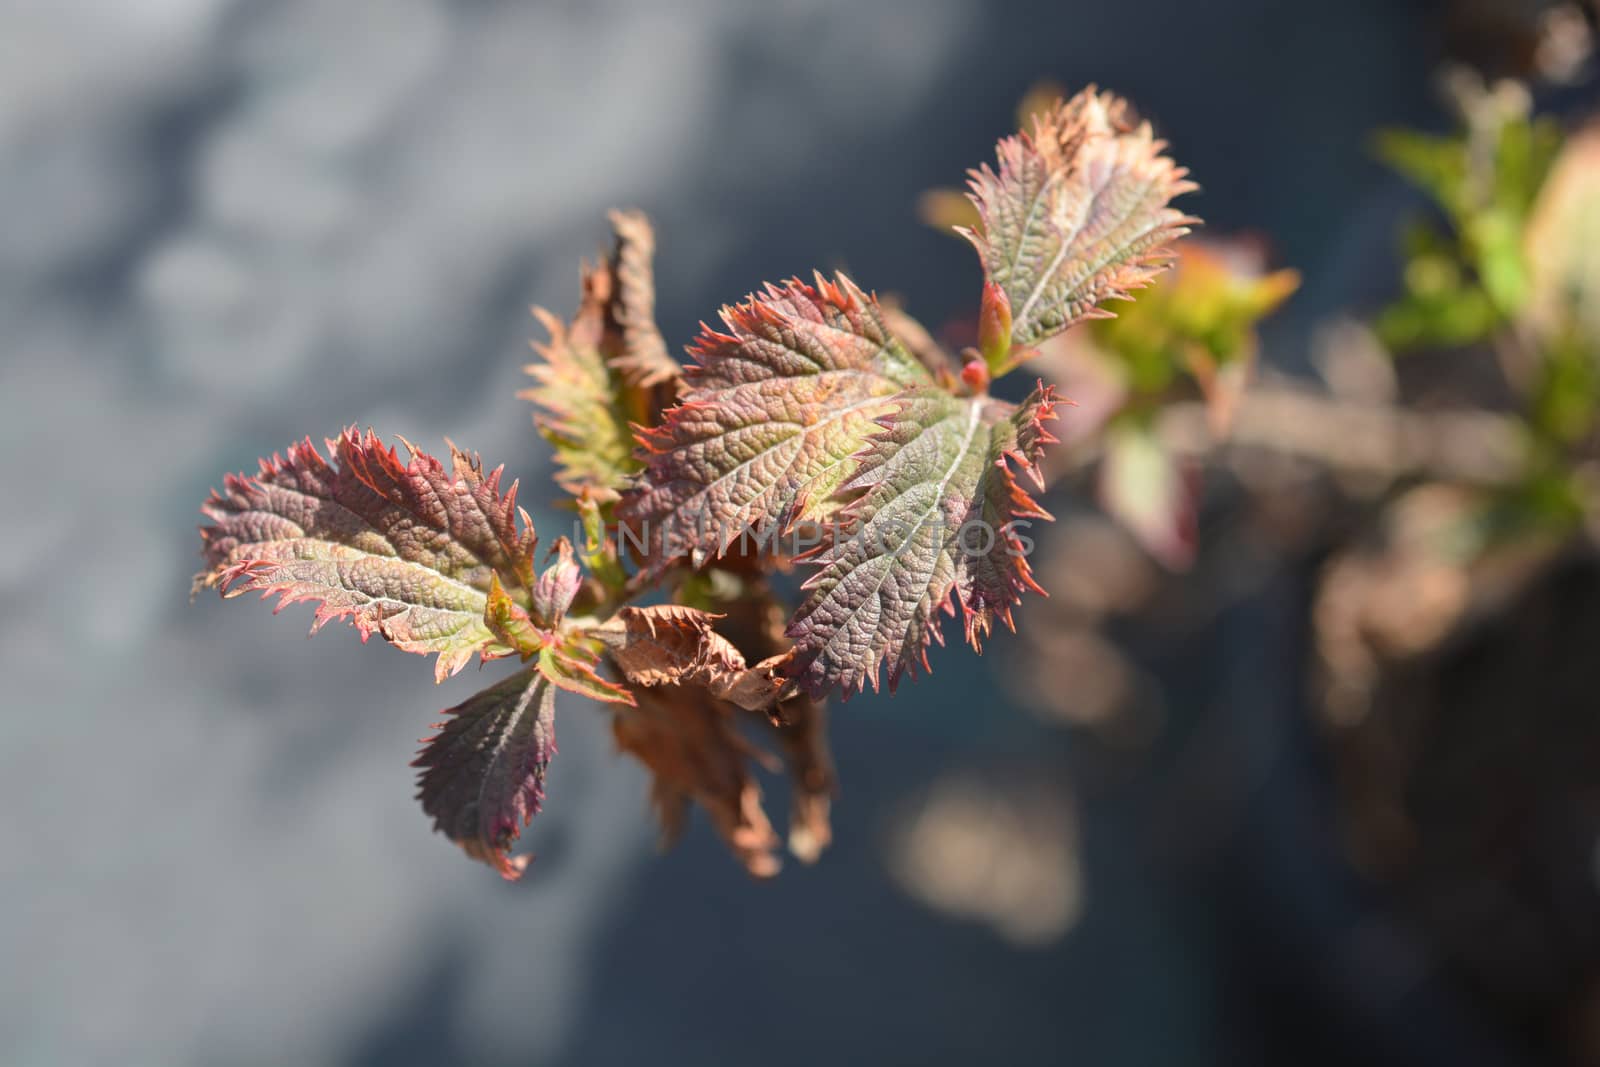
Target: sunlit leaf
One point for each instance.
(642, 359)
(937, 518)
(607, 369)
(1076, 214)
(407, 550)
(556, 587)
(777, 407)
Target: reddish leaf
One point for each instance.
(553, 593)
(483, 774)
(754, 622)
(407, 550)
(1077, 214)
(937, 517)
(777, 408)
(643, 360)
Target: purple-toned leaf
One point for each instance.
(777, 408)
(937, 519)
(556, 588)
(1076, 214)
(482, 775)
(407, 550)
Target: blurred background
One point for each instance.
(1146, 831)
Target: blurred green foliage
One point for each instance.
(1512, 270)
(1462, 284)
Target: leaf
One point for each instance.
(609, 368)
(1436, 164)
(1077, 214)
(567, 655)
(919, 342)
(669, 644)
(754, 622)
(511, 624)
(1487, 178)
(696, 754)
(483, 774)
(571, 666)
(1563, 244)
(1147, 489)
(643, 360)
(405, 550)
(556, 588)
(936, 518)
(951, 210)
(776, 410)
(1200, 318)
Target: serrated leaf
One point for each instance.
(1076, 214)
(936, 519)
(643, 360)
(669, 644)
(776, 410)
(572, 666)
(607, 369)
(407, 550)
(483, 774)
(579, 414)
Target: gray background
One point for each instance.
(229, 223)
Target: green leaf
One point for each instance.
(1434, 163)
(1200, 320)
(1486, 178)
(483, 774)
(406, 550)
(1076, 214)
(777, 408)
(511, 624)
(571, 664)
(937, 517)
(606, 370)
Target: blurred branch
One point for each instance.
(1351, 437)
